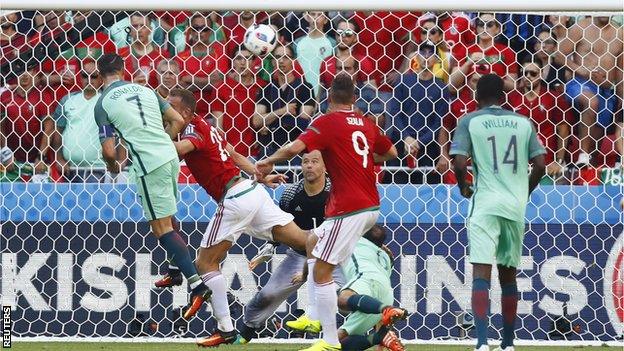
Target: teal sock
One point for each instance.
(364, 304)
(177, 251)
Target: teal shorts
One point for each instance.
(358, 323)
(495, 240)
(158, 191)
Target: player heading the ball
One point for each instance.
(147, 124)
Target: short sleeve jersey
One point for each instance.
(347, 141)
(501, 143)
(370, 261)
(210, 162)
(135, 112)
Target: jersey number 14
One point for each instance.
(511, 153)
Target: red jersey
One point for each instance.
(238, 105)
(546, 112)
(347, 141)
(366, 69)
(210, 163)
(20, 121)
(501, 58)
(380, 38)
(459, 107)
(145, 64)
(202, 66)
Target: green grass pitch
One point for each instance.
(120, 346)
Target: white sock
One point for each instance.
(327, 307)
(311, 311)
(220, 307)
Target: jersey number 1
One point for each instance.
(356, 137)
(511, 154)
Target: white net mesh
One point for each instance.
(76, 257)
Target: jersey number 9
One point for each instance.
(358, 138)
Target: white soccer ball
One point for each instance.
(260, 39)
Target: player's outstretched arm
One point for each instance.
(184, 146)
(174, 123)
(284, 153)
(392, 153)
(460, 167)
(537, 171)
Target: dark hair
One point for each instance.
(530, 59)
(342, 90)
(109, 64)
(490, 89)
(376, 235)
(187, 98)
(352, 22)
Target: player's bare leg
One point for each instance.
(178, 252)
(509, 305)
(291, 235)
(481, 301)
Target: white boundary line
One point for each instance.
(574, 343)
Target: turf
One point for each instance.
(61, 346)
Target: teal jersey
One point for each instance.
(135, 112)
(75, 116)
(370, 262)
(310, 54)
(501, 143)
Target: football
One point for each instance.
(260, 39)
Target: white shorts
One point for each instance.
(246, 208)
(338, 237)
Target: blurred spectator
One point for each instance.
(382, 35)
(367, 102)
(203, 64)
(462, 105)
(550, 114)
(519, 30)
(234, 105)
(284, 107)
(431, 32)
(419, 103)
(454, 28)
(10, 38)
(558, 25)
(593, 51)
(168, 73)
(313, 48)
(142, 54)
(25, 122)
(500, 57)
(347, 39)
(554, 75)
(62, 72)
(79, 150)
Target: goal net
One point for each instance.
(77, 257)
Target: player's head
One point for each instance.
(184, 102)
(342, 91)
(110, 65)
(313, 166)
(490, 90)
(376, 235)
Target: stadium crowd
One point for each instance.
(415, 73)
